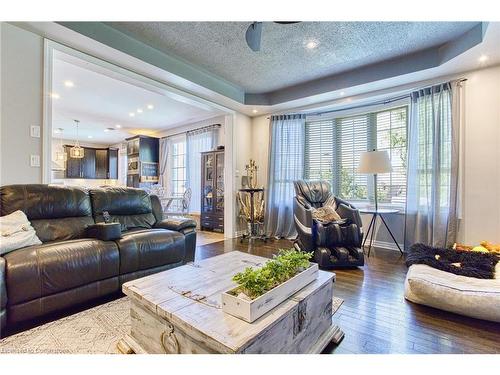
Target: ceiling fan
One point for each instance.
(253, 34)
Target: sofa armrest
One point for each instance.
(185, 226)
(3, 297)
(105, 231)
(156, 207)
(177, 223)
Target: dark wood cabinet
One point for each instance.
(101, 163)
(212, 191)
(97, 163)
(143, 155)
(113, 163)
(88, 163)
(73, 165)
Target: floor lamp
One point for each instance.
(375, 162)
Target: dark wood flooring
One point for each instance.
(375, 316)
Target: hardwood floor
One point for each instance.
(375, 316)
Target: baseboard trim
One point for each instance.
(385, 245)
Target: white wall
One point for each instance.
(481, 172)
(21, 105)
(243, 151)
(481, 203)
(260, 147)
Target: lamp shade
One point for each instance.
(372, 162)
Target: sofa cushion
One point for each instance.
(42, 270)
(477, 298)
(147, 248)
(127, 206)
(56, 212)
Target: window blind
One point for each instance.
(333, 148)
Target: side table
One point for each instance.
(371, 228)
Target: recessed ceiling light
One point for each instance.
(254, 110)
(89, 136)
(131, 114)
(118, 126)
(342, 93)
(69, 83)
(106, 130)
(483, 58)
(139, 110)
(312, 44)
(150, 106)
(55, 95)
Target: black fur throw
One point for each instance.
(465, 263)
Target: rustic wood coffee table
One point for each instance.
(179, 311)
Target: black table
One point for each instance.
(378, 212)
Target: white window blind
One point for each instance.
(333, 148)
(353, 138)
(391, 136)
(319, 150)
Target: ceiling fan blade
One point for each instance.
(253, 36)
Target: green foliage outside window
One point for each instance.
(348, 187)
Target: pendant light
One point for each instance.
(61, 155)
(76, 151)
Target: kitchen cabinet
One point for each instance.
(101, 163)
(97, 163)
(142, 160)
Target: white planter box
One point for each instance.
(250, 311)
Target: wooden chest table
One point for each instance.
(179, 311)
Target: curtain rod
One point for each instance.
(386, 101)
(193, 130)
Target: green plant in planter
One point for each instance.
(254, 282)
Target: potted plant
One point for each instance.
(259, 290)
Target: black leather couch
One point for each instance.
(335, 244)
(80, 260)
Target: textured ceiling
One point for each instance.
(283, 61)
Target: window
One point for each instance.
(333, 148)
(178, 168)
(391, 136)
(427, 172)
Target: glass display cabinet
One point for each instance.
(212, 191)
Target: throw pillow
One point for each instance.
(325, 214)
(16, 232)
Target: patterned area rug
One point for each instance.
(93, 331)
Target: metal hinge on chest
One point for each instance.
(299, 319)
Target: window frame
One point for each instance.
(178, 164)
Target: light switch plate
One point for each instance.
(35, 131)
(35, 160)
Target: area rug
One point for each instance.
(93, 331)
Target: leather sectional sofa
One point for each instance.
(79, 260)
